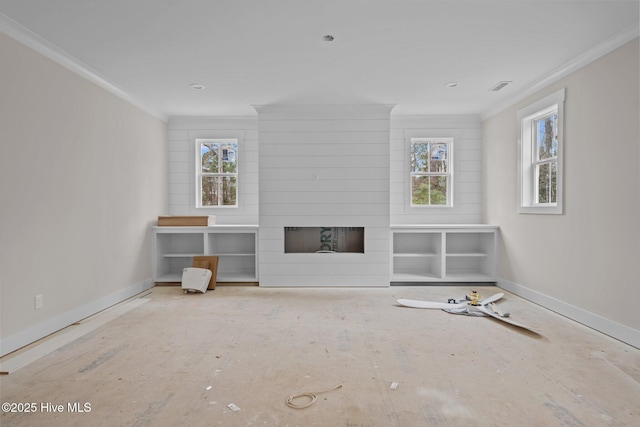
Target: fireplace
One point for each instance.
(324, 240)
(324, 173)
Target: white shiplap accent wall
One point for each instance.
(324, 166)
(182, 133)
(467, 133)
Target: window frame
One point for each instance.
(528, 155)
(199, 175)
(449, 140)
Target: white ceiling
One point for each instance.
(259, 52)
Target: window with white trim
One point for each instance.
(431, 171)
(216, 173)
(540, 155)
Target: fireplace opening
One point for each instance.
(324, 240)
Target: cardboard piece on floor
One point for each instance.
(212, 265)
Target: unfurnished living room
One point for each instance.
(319, 213)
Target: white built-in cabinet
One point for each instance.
(444, 253)
(419, 253)
(173, 249)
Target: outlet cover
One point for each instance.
(39, 302)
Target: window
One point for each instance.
(540, 155)
(216, 172)
(431, 161)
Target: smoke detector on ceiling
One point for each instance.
(500, 85)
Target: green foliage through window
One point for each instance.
(218, 173)
(430, 171)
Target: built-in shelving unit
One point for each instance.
(444, 253)
(174, 248)
(419, 253)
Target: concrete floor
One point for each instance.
(180, 360)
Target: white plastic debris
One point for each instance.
(394, 385)
(233, 407)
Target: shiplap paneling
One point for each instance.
(324, 166)
(182, 133)
(467, 168)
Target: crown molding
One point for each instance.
(30, 39)
(575, 64)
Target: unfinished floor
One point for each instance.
(179, 360)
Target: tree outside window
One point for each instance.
(540, 155)
(217, 174)
(546, 163)
(430, 170)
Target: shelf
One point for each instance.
(444, 227)
(229, 255)
(173, 249)
(176, 277)
(236, 277)
(414, 255)
(444, 253)
(200, 254)
(231, 243)
(469, 255)
(409, 277)
(469, 277)
(182, 255)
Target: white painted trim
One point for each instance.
(70, 334)
(56, 323)
(601, 324)
(444, 227)
(525, 178)
(197, 169)
(575, 64)
(451, 175)
(54, 53)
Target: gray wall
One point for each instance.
(584, 263)
(82, 177)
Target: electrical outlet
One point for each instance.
(39, 302)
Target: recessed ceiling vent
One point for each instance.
(499, 86)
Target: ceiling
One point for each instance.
(260, 52)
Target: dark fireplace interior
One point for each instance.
(324, 240)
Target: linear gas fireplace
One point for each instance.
(324, 240)
(324, 179)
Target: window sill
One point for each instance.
(540, 210)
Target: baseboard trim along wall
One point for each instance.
(594, 321)
(70, 334)
(61, 321)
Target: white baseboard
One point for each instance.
(609, 327)
(61, 321)
(24, 358)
